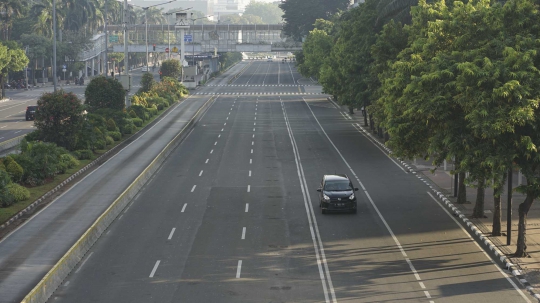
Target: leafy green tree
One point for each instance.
(229, 58)
(10, 10)
(39, 48)
(270, 13)
(104, 92)
(12, 58)
(300, 15)
(58, 118)
(244, 19)
(317, 47)
(171, 68)
(147, 82)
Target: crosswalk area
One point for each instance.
(260, 85)
(254, 93)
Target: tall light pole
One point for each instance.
(106, 44)
(54, 45)
(145, 8)
(125, 19)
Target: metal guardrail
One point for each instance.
(11, 143)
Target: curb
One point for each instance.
(473, 230)
(240, 72)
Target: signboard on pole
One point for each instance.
(167, 50)
(188, 38)
(113, 38)
(182, 20)
(175, 49)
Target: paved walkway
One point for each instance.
(444, 181)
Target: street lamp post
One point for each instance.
(145, 8)
(193, 44)
(54, 45)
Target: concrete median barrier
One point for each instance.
(11, 143)
(54, 278)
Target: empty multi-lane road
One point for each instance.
(232, 215)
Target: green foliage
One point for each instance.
(109, 140)
(12, 58)
(316, 48)
(84, 154)
(116, 135)
(14, 170)
(34, 136)
(140, 112)
(40, 162)
(229, 58)
(147, 82)
(18, 192)
(70, 161)
(137, 121)
(6, 198)
(111, 125)
(58, 118)
(300, 15)
(171, 68)
(270, 13)
(153, 110)
(133, 114)
(127, 127)
(106, 93)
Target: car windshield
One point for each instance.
(337, 185)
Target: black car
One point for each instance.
(337, 194)
(31, 112)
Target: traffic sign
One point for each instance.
(188, 38)
(167, 50)
(113, 38)
(64, 70)
(64, 66)
(175, 49)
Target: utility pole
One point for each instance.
(106, 44)
(54, 45)
(126, 60)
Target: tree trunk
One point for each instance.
(2, 93)
(371, 123)
(364, 112)
(521, 250)
(462, 190)
(478, 211)
(497, 202)
(351, 110)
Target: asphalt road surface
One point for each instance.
(232, 215)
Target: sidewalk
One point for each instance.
(527, 270)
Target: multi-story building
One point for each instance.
(204, 6)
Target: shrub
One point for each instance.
(111, 125)
(160, 106)
(34, 135)
(69, 160)
(170, 68)
(100, 144)
(6, 198)
(147, 81)
(104, 92)
(139, 100)
(116, 135)
(15, 171)
(84, 154)
(58, 118)
(109, 140)
(2, 166)
(18, 192)
(39, 162)
(127, 126)
(153, 111)
(133, 114)
(139, 111)
(137, 121)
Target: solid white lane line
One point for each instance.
(212, 151)
(84, 262)
(250, 161)
(239, 269)
(18, 131)
(193, 188)
(247, 207)
(487, 256)
(250, 173)
(249, 188)
(3, 126)
(207, 161)
(171, 234)
(243, 233)
(184, 208)
(215, 143)
(155, 268)
(200, 174)
(317, 243)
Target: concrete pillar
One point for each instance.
(86, 69)
(93, 66)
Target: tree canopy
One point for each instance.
(270, 13)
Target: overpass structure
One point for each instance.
(207, 38)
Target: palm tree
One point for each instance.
(43, 12)
(8, 10)
(78, 13)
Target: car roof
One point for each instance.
(336, 177)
